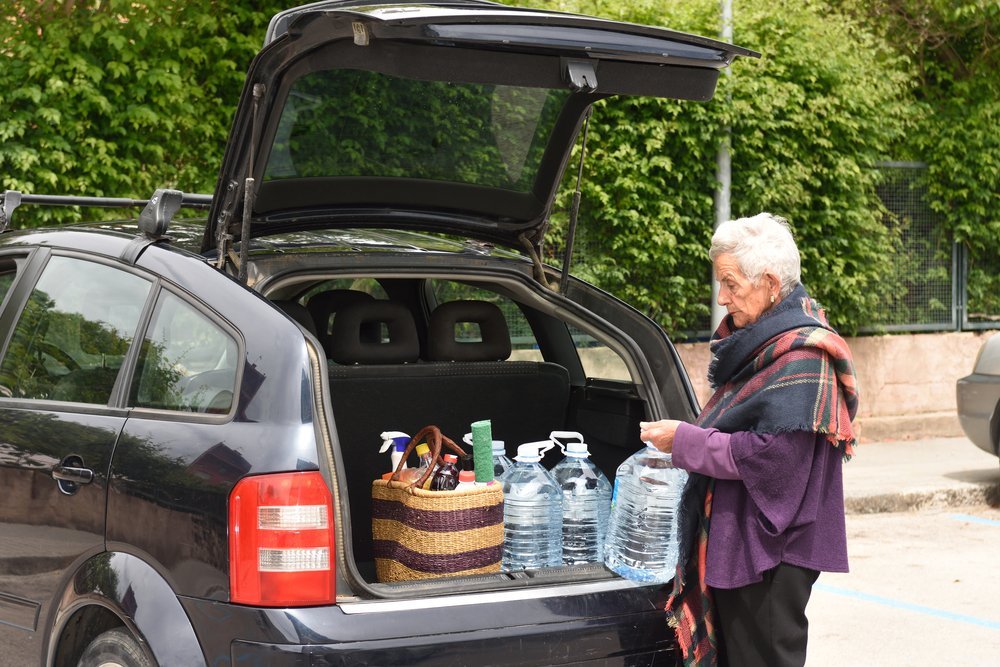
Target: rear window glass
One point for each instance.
(524, 347)
(366, 124)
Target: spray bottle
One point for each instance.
(395, 443)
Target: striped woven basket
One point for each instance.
(420, 534)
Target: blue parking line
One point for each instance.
(908, 606)
(975, 519)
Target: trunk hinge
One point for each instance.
(534, 252)
(574, 212)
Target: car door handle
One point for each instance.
(72, 474)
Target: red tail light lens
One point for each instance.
(281, 541)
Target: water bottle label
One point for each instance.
(614, 493)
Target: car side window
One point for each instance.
(74, 332)
(599, 361)
(187, 362)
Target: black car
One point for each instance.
(190, 410)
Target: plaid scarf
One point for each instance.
(787, 372)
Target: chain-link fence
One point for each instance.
(943, 285)
(924, 294)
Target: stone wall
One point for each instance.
(907, 381)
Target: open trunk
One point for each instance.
(529, 360)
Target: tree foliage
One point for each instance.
(954, 50)
(809, 120)
(117, 98)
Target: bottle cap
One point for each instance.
(532, 452)
(467, 476)
(451, 458)
(499, 447)
(422, 449)
(563, 438)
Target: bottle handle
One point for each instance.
(556, 438)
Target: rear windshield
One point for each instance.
(356, 123)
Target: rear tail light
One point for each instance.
(281, 541)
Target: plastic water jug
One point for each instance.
(642, 542)
(532, 512)
(501, 462)
(586, 500)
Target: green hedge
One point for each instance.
(809, 120)
(117, 98)
(143, 96)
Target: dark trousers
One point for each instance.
(764, 624)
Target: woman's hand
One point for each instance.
(660, 433)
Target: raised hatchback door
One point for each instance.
(457, 117)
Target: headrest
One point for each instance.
(350, 345)
(297, 312)
(444, 345)
(324, 305)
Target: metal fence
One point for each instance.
(923, 292)
(939, 285)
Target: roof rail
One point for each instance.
(11, 199)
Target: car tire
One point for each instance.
(115, 648)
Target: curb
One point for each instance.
(979, 494)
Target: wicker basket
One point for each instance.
(420, 534)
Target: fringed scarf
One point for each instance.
(787, 372)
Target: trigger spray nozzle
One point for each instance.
(391, 439)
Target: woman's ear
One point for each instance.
(773, 283)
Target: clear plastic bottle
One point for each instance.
(410, 475)
(446, 477)
(642, 541)
(532, 512)
(586, 500)
(501, 462)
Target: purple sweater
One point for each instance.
(778, 499)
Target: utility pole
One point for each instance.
(723, 168)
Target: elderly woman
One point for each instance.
(767, 451)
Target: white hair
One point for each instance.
(761, 244)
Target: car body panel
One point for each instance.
(171, 475)
(549, 630)
(978, 398)
(138, 595)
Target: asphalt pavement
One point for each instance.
(902, 475)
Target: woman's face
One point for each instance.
(744, 302)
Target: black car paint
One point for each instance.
(161, 566)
